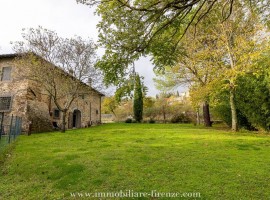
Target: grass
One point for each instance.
(139, 157)
(3, 142)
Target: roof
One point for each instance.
(14, 55)
(9, 55)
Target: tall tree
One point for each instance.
(243, 42)
(138, 99)
(58, 65)
(130, 29)
(196, 65)
(229, 49)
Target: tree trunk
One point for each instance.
(63, 128)
(206, 114)
(198, 117)
(164, 115)
(233, 110)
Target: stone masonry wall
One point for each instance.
(89, 107)
(17, 89)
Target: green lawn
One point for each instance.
(140, 158)
(3, 142)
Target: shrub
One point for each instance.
(128, 120)
(223, 111)
(152, 121)
(180, 118)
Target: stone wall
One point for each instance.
(38, 116)
(88, 106)
(17, 89)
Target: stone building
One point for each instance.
(22, 97)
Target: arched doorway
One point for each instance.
(76, 122)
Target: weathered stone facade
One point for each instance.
(37, 109)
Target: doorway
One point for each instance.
(76, 122)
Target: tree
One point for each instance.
(196, 66)
(162, 106)
(149, 109)
(130, 29)
(243, 44)
(124, 110)
(109, 105)
(224, 51)
(138, 99)
(58, 65)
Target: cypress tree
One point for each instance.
(138, 100)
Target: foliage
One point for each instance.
(109, 105)
(128, 120)
(223, 112)
(232, 38)
(138, 100)
(253, 99)
(180, 118)
(124, 35)
(131, 29)
(124, 110)
(125, 89)
(148, 102)
(252, 102)
(152, 121)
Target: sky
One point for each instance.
(66, 17)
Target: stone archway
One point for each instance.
(76, 120)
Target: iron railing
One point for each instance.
(10, 129)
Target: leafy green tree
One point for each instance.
(131, 29)
(243, 45)
(149, 108)
(138, 100)
(228, 49)
(109, 105)
(196, 66)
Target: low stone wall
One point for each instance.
(38, 117)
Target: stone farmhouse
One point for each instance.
(21, 97)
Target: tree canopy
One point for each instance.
(130, 29)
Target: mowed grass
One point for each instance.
(3, 142)
(138, 157)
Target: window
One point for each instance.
(97, 112)
(56, 113)
(5, 104)
(6, 74)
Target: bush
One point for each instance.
(180, 118)
(128, 120)
(223, 111)
(152, 121)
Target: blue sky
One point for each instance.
(66, 17)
